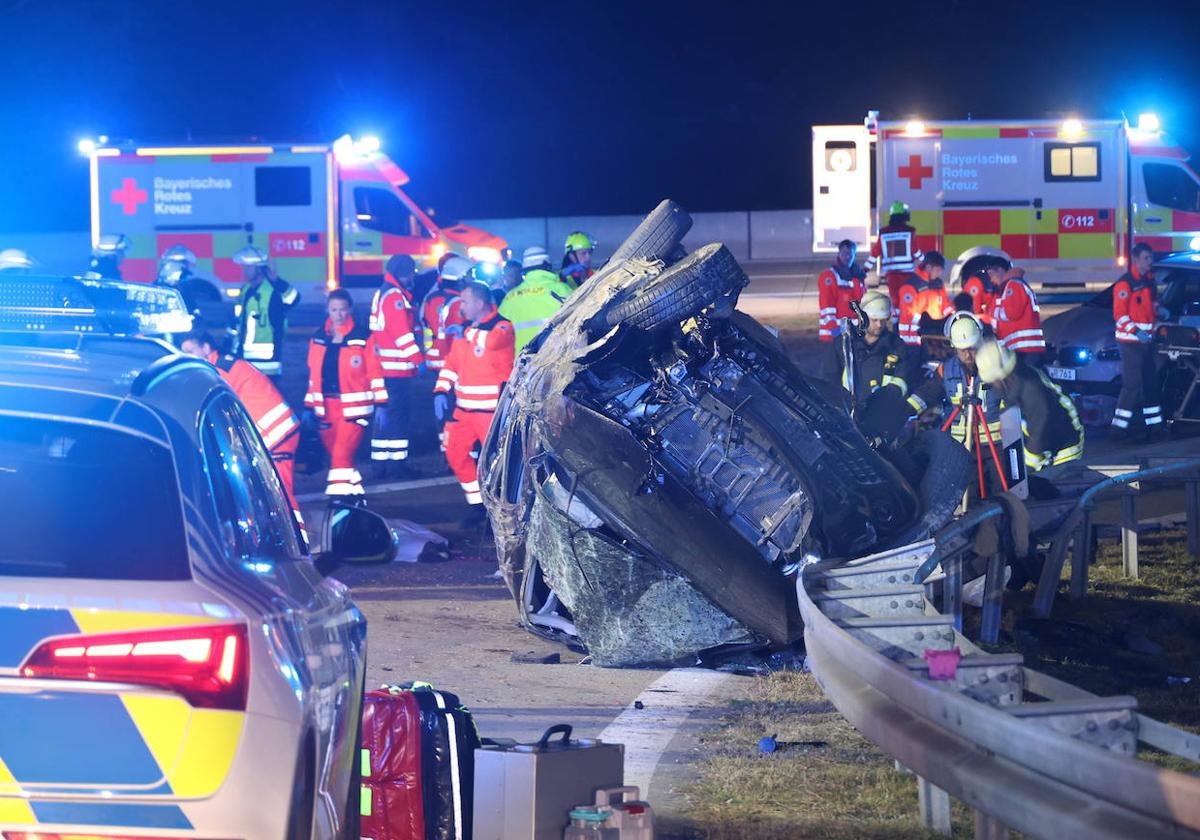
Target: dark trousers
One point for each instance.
(390, 440)
(1139, 386)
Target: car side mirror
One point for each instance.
(355, 535)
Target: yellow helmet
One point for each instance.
(964, 331)
(579, 241)
(994, 361)
(877, 305)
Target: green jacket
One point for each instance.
(532, 303)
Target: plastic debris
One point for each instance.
(943, 664)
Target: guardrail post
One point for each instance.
(935, 807)
(1129, 535)
(989, 828)
(1191, 493)
(1081, 557)
(1047, 588)
(993, 599)
(952, 589)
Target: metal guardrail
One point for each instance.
(1022, 749)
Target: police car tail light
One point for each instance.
(208, 664)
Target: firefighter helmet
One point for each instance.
(179, 254)
(250, 257)
(111, 243)
(964, 331)
(14, 259)
(171, 273)
(535, 256)
(994, 361)
(579, 241)
(455, 268)
(877, 305)
(898, 208)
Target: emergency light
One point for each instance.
(1072, 128)
(483, 254)
(1194, 245)
(914, 128)
(348, 150)
(1149, 123)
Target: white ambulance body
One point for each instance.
(1066, 200)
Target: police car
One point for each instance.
(173, 661)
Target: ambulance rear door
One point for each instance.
(842, 164)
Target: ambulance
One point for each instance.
(1065, 199)
(328, 215)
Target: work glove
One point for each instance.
(1143, 337)
(453, 331)
(360, 421)
(381, 415)
(441, 406)
(1163, 313)
(570, 271)
(309, 418)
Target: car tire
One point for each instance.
(682, 291)
(300, 814)
(658, 236)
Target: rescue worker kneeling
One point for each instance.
(957, 382)
(878, 382)
(1053, 433)
(477, 366)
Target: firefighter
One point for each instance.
(531, 304)
(577, 258)
(345, 383)
(476, 369)
(107, 256)
(956, 382)
(278, 425)
(16, 261)
(838, 286)
(438, 335)
(1053, 433)
(1135, 308)
(1017, 318)
(879, 380)
(894, 252)
(922, 293)
(261, 312)
(535, 256)
(393, 325)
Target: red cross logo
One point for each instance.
(129, 196)
(915, 172)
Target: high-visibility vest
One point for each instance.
(262, 322)
(436, 338)
(360, 377)
(1134, 306)
(272, 415)
(532, 303)
(836, 290)
(894, 250)
(479, 364)
(393, 331)
(1018, 320)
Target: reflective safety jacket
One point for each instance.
(479, 364)
(836, 288)
(435, 340)
(1017, 318)
(1134, 305)
(394, 330)
(261, 313)
(894, 252)
(1053, 433)
(532, 303)
(983, 299)
(360, 377)
(272, 415)
(882, 364)
(953, 383)
(919, 295)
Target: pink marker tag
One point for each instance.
(943, 664)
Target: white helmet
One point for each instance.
(535, 256)
(877, 305)
(456, 268)
(994, 361)
(179, 254)
(111, 243)
(14, 259)
(171, 273)
(250, 256)
(964, 331)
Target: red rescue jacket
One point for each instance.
(1017, 318)
(436, 341)
(983, 299)
(272, 415)
(360, 378)
(894, 251)
(1134, 305)
(479, 364)
(836, 289)
(394, 330)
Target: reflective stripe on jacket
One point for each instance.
(1134, 304)
(1018, 319)
(272, 415)
(359, 374)
(478, 365)
(532, 303)
(393, 326)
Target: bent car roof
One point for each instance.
(1180, 259)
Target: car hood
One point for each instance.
(1083, 326)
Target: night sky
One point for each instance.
(506, 109)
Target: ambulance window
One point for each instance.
(282, 186)
(1171, 186)
(841, 156)
(382, 210)
(1072, 162)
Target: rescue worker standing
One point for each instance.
(577, 258)
(438, 334)
(957, 382)
(532, 303)
(894, 253)
(838, 286)
(394, 328)
(345, 383)
(1018, 320)
(107, 256)
(476, 369)
(1053, 433)
(278, 425)
(1135, 308)
(879, 380)
(923, 293)
(261, 312)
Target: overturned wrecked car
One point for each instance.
(658, 466)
